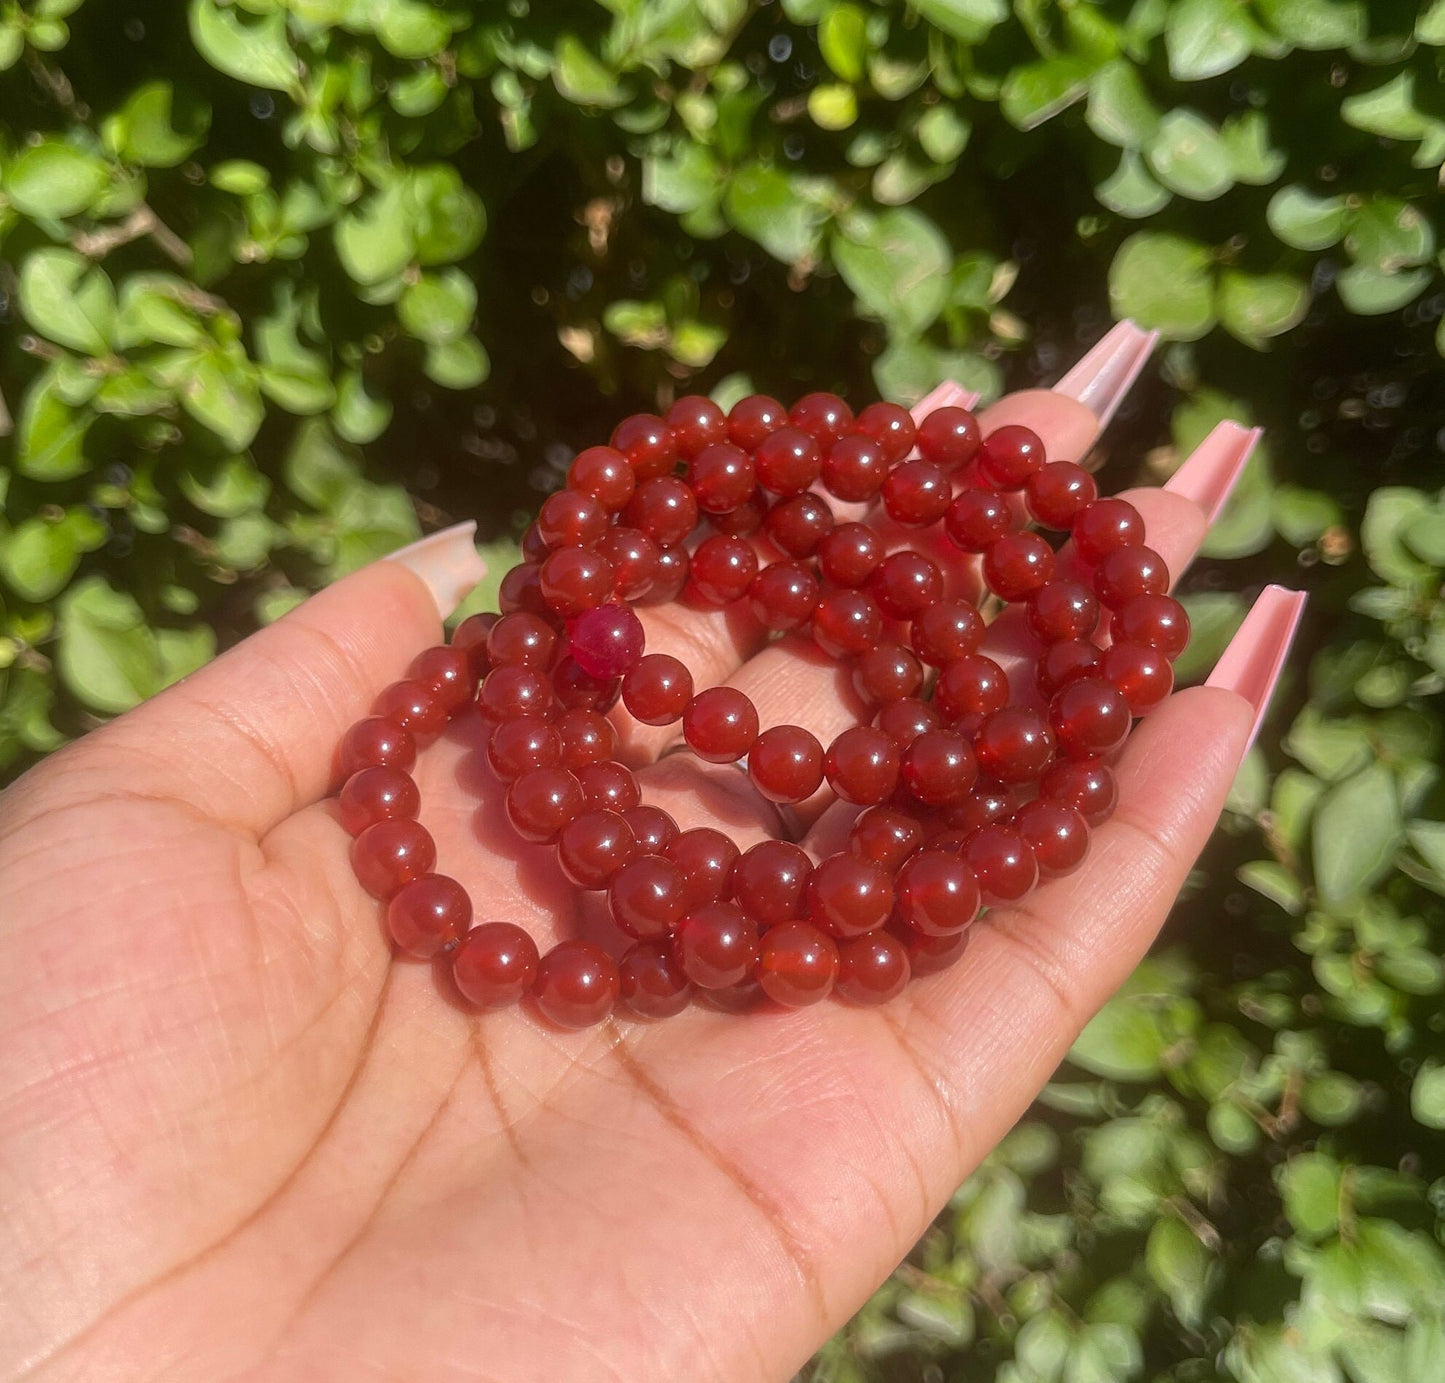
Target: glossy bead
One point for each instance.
(716, 945)
(576, 985)
(573, 686)
(605, 474)
(1002, 862)
(521, 589)
(753, 419)
(927, 955)
(647, 443)
(1104, 525)
(570, 518)
(885, 836)
(937, 893)
(786, 764)
(446, 673)
(949, 437)
(969, 685)
(1063, 610)
(606, 641)
(855, 468)
(657, 691)
(1086, 784)
(903, 721)
(797, 965)
(743, 521)
(706, 858)
(1057, 834)
(671, 576)
(574, 579)
(522, 744)
(1010, 455)
(592, 847)
(533, 546)
(846, 623)
(390, 854)
(722, 570)
(634, 558)
(848, 895)
(1089, 716)
(916, 493)
(511, 690)
(849, 555)
(1058, 493)
(1017, 565)
(696, 422)
(1014, 745)
(521, 640)
(788, 462)
(783, 596)
(1129, 572)
(872, 969)
(824, 417)
(1143, 674)
(799, 524)
(977, 519)
(1065, 661)
(886, 673)
(722, 477)
(664, 508)
(1156, 621)
(375, 743)
(946, 630)
(652, 826)
(587, 738)
(653, 984)
(906, 583)
(376, 794)
(720, 724)
(429, 914)
(608, 786)
(543, 801)
(939, 767)
(495, 965)
(987, 803)
(891, 426)
(470, 637)
(769, 881)
(646, 896)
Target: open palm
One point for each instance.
(239, 1139)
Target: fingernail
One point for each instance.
(1104, 376)
(947, 395)
(1252, 663)
(1212, 470)
(448, 561)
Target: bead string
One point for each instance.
(967, 800)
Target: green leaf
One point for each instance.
(1104, 1354)
(1272, 880)
(447, 218)
(1164, 281)
(897, 266)
(1333, 1098)
(1213, 618)
(1389, 515)
(1038, 91)
(438, 307)
(1357, 829)
(151, 131)
(1255, 307)
(240, 176)
(459, 364)
(1130, 191)
(1317, 24)
(1304, 221)
(410, 29)
(39, 556)
(224, 395)
(50, 434)
(374, 240)
(1187, 155)
(1310, 1186)
(1252, 159)
(1390, 234)
(1427, 1095)
(843, 41)
(581, 78)
(1389, 110)
(1120, 110)
(106, 654)
(970, 20)
(682, 180)
(833, 106)
(52, 180)
(1303, 516)
(1205, 38)
(359, 416)
(155, 311)
(256, 51)
(1180, 1266)
(761, 202)
(943, 133)
(68, 300)
(224, 486)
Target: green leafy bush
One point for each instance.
(343, 269)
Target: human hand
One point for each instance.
(239, 1140)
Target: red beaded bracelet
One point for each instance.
(966, 800)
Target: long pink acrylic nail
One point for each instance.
(1107, 372)
(447, 561)
(946, 395)
(1252, 663)
(1212, 470)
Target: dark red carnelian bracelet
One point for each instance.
(966, 798)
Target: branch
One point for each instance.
(141, 222)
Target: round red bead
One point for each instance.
(1017, 565)
(390, 854)
(495, 965)
(576, 984)
(885, 836)
(1104, 525)
(937, 893)
(570, 518)
(541, 802)
(939, 767)
(755, 418)
(428, 915)
(949, 437)
(657, 691)
(1002, 862)
(849, 895)
(706, 858)
(916, 493)
(785, 764)
(723, 569)
(376, 743)
(522, 744)
(849, 555)
(1086, 784)
(720, 724)
(647, 443)
(377, 794)
(891, 426)
(977, 519)
(652, 983)
(855, 468)
(716, 946)
(1058, 493)
(1157, 621)
(1010, 455)
(607, 641)
(788, 461)
(574, 579)
(1014, 745)
(872, 969)
(846, 623)
(591, 848)
(696, 422)
(769, 881)
(798, 964)
(664, 508)
(783, 596)
(722, 477)
(1057, 834)
(647, 895)
(1063, 610)
(1143, 674)
(605, 474)
(1089, 716)
(799, 524)
(946, 630)
(824, 417)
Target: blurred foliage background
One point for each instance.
(286, 282)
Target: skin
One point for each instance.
(242, 1141)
